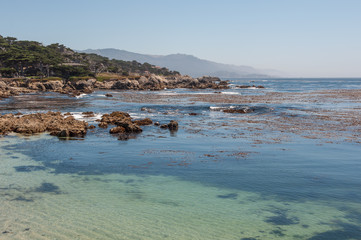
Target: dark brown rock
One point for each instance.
(242, 110)
(103, 125)
(117, 130)
(173, 125)
(143, 122)
(52, 122)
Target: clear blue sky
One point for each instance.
(320, 38)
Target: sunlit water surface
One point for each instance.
(204, 184)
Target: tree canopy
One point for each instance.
(31, 58)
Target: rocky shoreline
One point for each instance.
(12, 87)
(66, 126)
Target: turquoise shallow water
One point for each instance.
(203, 182)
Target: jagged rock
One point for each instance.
(36, 86)
(53, 122)
(173, 125)
(3, 85)
(88, 114)
(84, 85)
(115, 117)
(54, 85)
(103, 125)
(121, 119)
(104, 85)
(143, 122)
(117, 130)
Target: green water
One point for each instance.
(39, 204)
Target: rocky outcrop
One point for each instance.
(53, 122)
(121, 119)
(143, 122)
(54, 85)
(172, 126)
(85, 86)
(12, 87)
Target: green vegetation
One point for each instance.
(33, 59)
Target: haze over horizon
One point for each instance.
(301, 38)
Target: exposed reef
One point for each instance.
(53, 122)
(65, 125)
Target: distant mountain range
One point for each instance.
(186, 64)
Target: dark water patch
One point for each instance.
(346, 232)
(22, 199)
(29, 168)
(281, 218)
(129, 181)
(136, 195)
(278, 232)
(353, 215)
(228, 196)
(48, 188)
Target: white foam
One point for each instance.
(80, 116)
(81, 95)
(168, 93)
(231, 93)
(220, 108)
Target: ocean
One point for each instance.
(289, 168)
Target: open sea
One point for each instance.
(209, 180)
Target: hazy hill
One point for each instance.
(185, 64)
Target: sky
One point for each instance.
(302, 38)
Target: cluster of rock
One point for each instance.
(66, 125)
(125, 127)
(53, 122)
(11, 88)
(76, 87)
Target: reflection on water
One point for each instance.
(209, 180)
